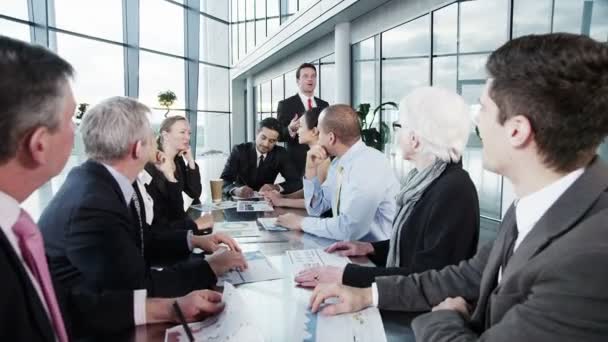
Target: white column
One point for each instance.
(251, 115)
(342, 56)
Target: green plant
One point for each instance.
(371, 136)
(167, 99)
(80, 110)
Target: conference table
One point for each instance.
(272, 303)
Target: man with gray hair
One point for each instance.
(93, 227)
(360, 187)
(36, 109)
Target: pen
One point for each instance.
(180, 315)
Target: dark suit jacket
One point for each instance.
(189, 180)
(286, 110)
(443, 229)
(93, 240)
(241, 169)
(168, 202)
(23, 316)
(553, 288)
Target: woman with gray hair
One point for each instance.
(437, 223)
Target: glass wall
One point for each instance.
(452, 52)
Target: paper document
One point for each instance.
(270, 224)
(307, 258)
(248, 206)
(256, 195)
(237, 229)
(232, 324)
(259, 269)
(362, 326)
(214, 206)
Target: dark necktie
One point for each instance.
(510, 239)
(309, 103)
(136, 206)
(260, 161)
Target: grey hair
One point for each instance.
(440, 119)
(112, 126)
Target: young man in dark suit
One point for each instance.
(290, 110)
(255, 166)
(542, 118)
(37, 137)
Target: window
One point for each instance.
(445, 29)
(291, 83)
(272, 26)
(260, 31)
(410, 39)
(277, 92)
(250, 36)
(158, 73)
(444, 72)
(213, 88)
(483, 25)
(531, 17)
(162, 26)
(364, 73)
(216, 8)
(327, 79)
(212, 132)
(582, 16)
(242, 40)
(15, 9)
(15, 30)
(266, 100)
(99, 67)
(214, 41)
(400, 76)
(272, 8)
(101, 19)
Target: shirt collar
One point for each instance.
(351, 153)
(260, 154)
(123, 182)
(305, 97)
(144, 177)
(531, 208)
(10, 212)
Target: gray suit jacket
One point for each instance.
(554, 288)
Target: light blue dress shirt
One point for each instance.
(367, 197)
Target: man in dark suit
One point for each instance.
(542, 118)
(38, 134)
(94, 228)
(255, 166)
(290, 110)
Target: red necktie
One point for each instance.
(32, 248)
(309, 103)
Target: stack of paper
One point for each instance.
(214, 206)
(249, 206)
(307, 258)
(256, 195)
(259, 269)
(232, 324)
(237, 229)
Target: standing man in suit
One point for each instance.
(290, 110)
(94, 228)
(37, 133)
(255, 166)
(542, 118)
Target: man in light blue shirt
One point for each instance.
(360, 188)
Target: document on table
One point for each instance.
(234, 323)
(362, 326)
(249, 206)
(259, 269)
(307, 258)
(214, 206)
(237, 229)
(256, 195)
(270, 224)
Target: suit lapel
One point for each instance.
(562, 215)
(35, 307)
(297, 102)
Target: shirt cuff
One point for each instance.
(139, 306)
(189, 240)
(310, 187)
(374, 295)
(280, 188)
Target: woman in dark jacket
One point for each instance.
(177, 173)
(437, 223)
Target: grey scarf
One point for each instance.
(414, 185)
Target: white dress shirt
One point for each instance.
(367, 197)
(528, 211)
(143, 179)
(305, 98)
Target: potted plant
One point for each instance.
(80, 110)
(371, 136)
(166, 99)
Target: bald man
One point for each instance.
(360, 188)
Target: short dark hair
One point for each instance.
(271, 123)
(31, 90)
(343, 121)
(311, 117)
(559, 82)
(304, 66)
